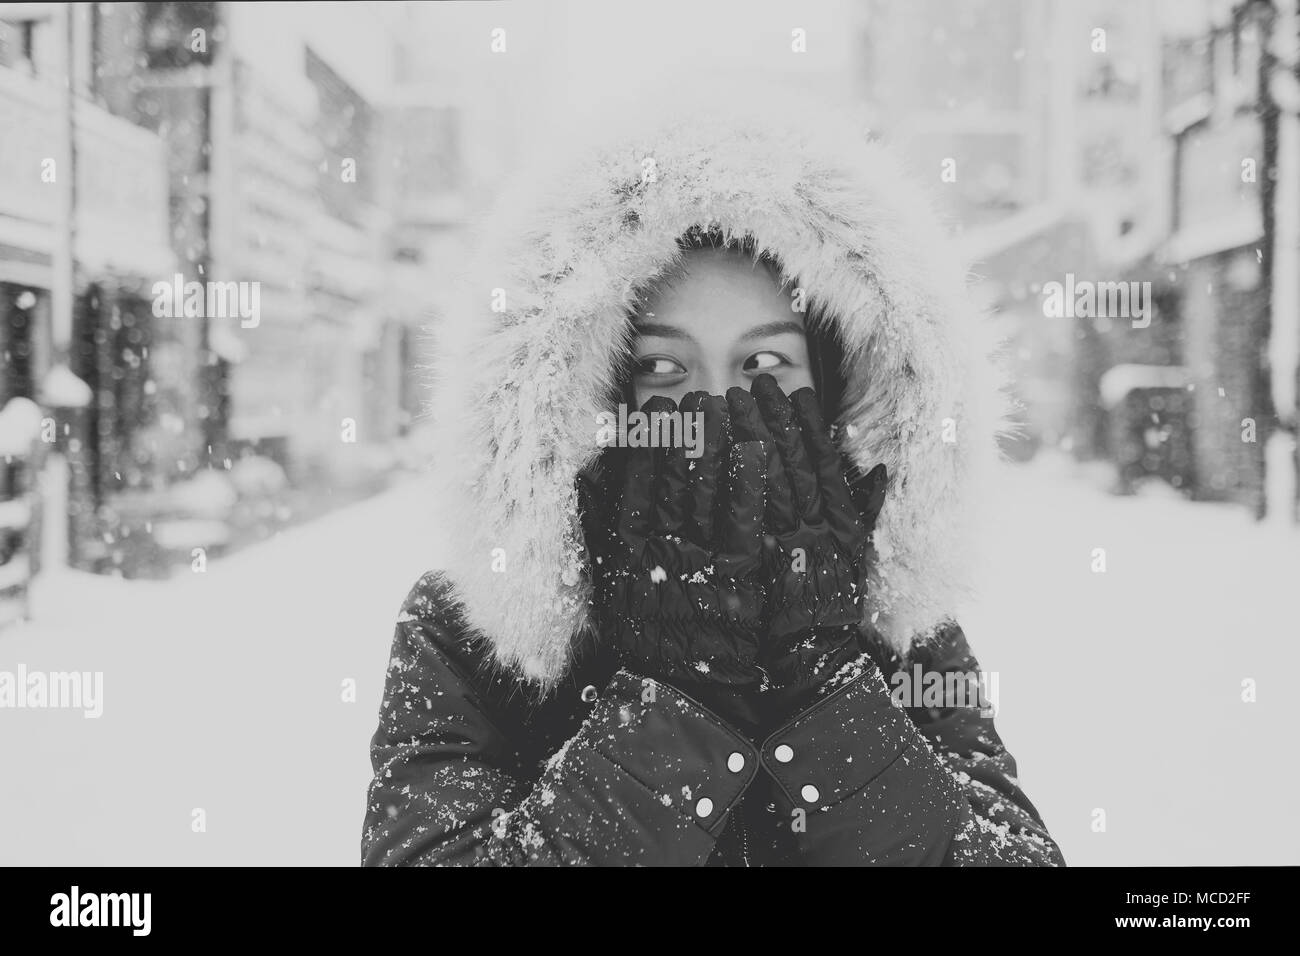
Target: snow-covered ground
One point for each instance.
(222, 691)
(1118, 691)
(1122, 691)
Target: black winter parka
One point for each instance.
(472, 768)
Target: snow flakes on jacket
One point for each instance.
(517, 390)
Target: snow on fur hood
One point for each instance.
(523, 371)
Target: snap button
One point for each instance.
(810, 793)
(589, 693)
(736, 762)
(704, 807)
(783, 753)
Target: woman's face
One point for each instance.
(722, 324)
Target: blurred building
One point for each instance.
(457, 122)
(1118, 142)
(1035, 124)
(1210, 262)
(216, 143)
(1223, 273)
(274, 176)
(83, 235)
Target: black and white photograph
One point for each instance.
(597, 433)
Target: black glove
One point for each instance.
(819, 544)
(676, 553)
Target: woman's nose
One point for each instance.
(714, 381)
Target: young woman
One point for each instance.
(705, 654)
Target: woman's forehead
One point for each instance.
(717, 287)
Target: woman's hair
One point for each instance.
(825, 352)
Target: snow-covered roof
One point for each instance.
(20, 423)
(61, 388)
(984, 242)
(1119, 380)
(1216, 235)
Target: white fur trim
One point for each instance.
(517, 391)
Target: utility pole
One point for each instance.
(1284, 347)
(1279, 359)
(55, 544)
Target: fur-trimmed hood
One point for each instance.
(523, 372)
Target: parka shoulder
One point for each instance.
(539, 721)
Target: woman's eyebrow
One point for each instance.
(772, 328)
(663, 331)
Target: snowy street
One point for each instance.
(1120, 691)
(222, 691)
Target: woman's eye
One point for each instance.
(659, 366)
(762, 361)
